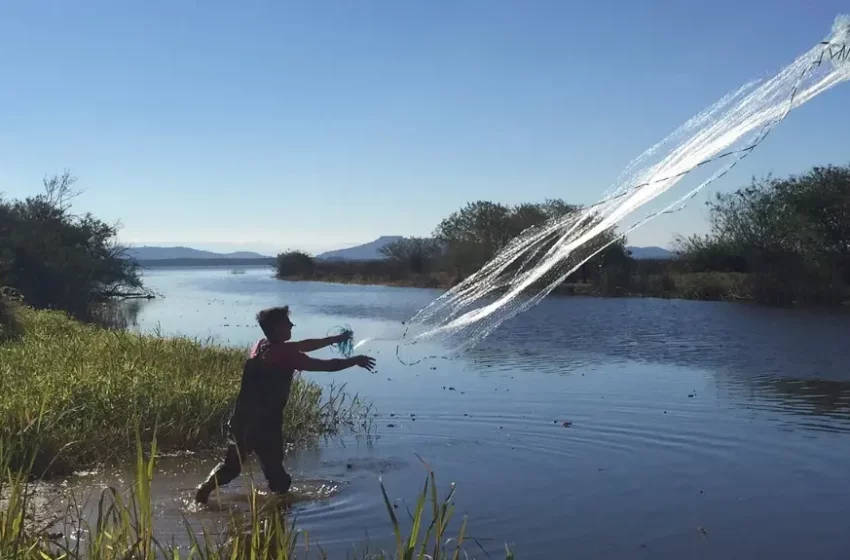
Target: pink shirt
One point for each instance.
(282, 356)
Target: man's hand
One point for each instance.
(366, 362)
(342, 337)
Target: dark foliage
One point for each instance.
(791, 235)
(58, 260)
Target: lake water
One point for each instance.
(698, 430)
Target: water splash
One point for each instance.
(541, 258)
(361, 343)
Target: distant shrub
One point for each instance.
(295, 263)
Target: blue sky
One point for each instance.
(314, 125)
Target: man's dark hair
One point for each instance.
(271, 318)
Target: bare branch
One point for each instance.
(58, 191)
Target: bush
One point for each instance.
(57, 260)
(416, 253)
(295, 263)
(791, 235)
(668, 283)
(707, 254)
(713, 286)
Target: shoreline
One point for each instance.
(578, 289)
(425, 284)
(573, 289)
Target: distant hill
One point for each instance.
(650, 253)
(234, 263)
(186, 256)
(366, 252)
(370, 251)
(161, 253)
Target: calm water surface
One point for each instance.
(699, 430)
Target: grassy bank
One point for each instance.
(76, 393)
(701, 286)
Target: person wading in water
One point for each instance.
(256, 422)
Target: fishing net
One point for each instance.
(542, 257)
(345, 347)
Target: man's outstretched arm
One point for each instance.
(313, 344)
(306, 363)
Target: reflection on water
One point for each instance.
(118, 315)
(821, 404)
(583, 428)
(822, 397)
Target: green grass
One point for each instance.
(77, 393)
(712, 286)
(703, 286)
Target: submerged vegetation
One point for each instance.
(776, 241)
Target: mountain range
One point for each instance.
(371, 251)
(364, 252)
(161, 253)
(650, 253)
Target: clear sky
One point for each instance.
(315, 125)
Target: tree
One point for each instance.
(59, 260)
(478, 231)
(481, 222)
(473, 234)
(416, 253)
(524, 216)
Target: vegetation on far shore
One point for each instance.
(776, 241)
